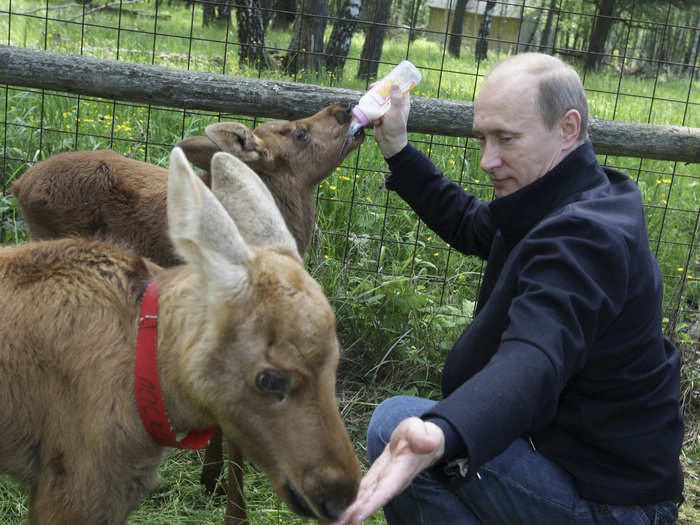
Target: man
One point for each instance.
(561, 399)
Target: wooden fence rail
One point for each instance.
(287, 100)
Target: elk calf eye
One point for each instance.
(270, 382)
(303, 134)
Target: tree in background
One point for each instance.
(656, 40)
(318, 29)
(296, 58)
(284, 13)
(216, 10)
(548, 33)
(599, 35)
(251, 34)
(455, 41)
(341, 37)
(481, 49)
(374, 41)
(306, 48)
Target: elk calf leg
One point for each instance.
(235, 502)
(213, 461)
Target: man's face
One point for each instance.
(516, 147)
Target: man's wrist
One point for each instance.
(389, 150)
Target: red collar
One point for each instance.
(149, 397)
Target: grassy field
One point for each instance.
(401, 295)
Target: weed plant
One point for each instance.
(401, 294)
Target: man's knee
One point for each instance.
(386, 418)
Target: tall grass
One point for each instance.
(402, 295)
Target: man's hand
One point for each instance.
(390, 129)
(415, 445)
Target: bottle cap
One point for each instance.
(359, 115)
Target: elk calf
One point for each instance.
(89, 193)
(245, 337)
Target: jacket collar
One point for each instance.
(516, 214)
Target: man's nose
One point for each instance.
(490, 156)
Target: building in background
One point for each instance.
(506, 24)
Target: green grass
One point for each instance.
(401, 295)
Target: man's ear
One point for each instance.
(570, 128)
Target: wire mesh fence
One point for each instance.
(638, 61)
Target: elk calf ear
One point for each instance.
(250, 203)
(236, 139)
(202, 231)
(199, 151)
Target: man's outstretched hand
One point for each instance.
(415, 445)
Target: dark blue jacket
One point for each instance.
(567, 345)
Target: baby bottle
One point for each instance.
(376, 101)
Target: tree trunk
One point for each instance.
(527, 42)
(395, 15)
(251, 34)
(599, 36)
(208, 11)
(547, 38)
(694, 49)
(318, 29)
(482, 44)
(455, 42)
(266, 13)
(284, 14)
(224, 14)
(372, 50)
(297, 58)
(413, 33)
(341, 37)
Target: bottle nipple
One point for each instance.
(359, 121)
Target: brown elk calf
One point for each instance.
(245, 340)
(102, 193)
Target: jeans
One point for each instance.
(520, 486)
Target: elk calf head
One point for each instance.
(265, 364)
(291, 157)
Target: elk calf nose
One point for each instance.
(337, 498)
